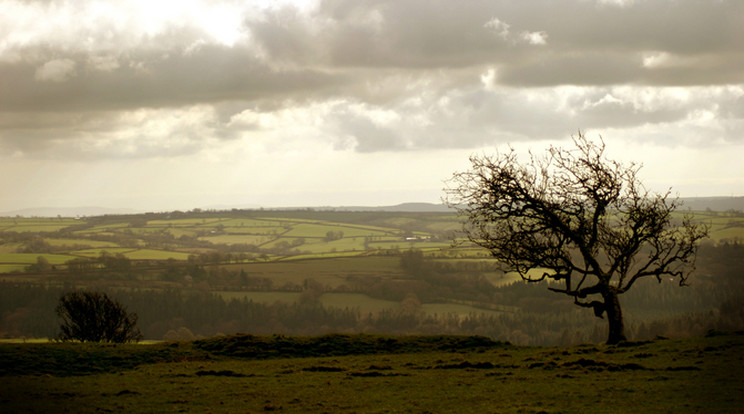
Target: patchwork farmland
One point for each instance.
(389, 271)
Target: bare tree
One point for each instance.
(94, 317)
(581, 220)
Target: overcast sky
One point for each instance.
(173, 105)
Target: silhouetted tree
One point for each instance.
(94, 317)
(582, 220)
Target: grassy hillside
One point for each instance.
(247, 236)
(366, 373)
(311, 272)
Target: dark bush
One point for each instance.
(94, 317)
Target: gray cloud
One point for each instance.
(207, 75)
(587, 43)
(552, 67)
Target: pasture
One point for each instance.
(364, 373)
(174, 236)
(331, 271)
(277, 234)
(348, 259)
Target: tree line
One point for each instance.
(29, 311)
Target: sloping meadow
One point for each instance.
(369, 373)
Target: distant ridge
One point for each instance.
(713, 203)
(100, 211)
(67, 212)
(404, 207)
(692, 203)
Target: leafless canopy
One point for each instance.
(584, 220)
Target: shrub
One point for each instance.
(94, 317)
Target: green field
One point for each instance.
(727, 233)
(272, 256)
(363, 373)
(255, 239)
(11, 268)
(97, 252)
(36, 228)
(29, 258)
(106, 227)
(331, 271)
(133, 254)
(277, 234)
(284, 247)
(22, 225)
(251, 223)
(364, 303)
(320, 231)
(150, 254)
(343, 245)
(86, 242)
(501, 279)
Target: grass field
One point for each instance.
(278, 234)
(278, 237)
(36, 228)
(29, 258)
(11, 268)
(364, 373)
(134, 254)
(86, 242)
(150, 254)
(343, 245)
(106, 227)
(319, 231)
(372, 265)
(255, 239)
(91, 253)
(364, 303)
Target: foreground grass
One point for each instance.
(365, 373)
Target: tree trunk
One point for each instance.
(614, 317)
